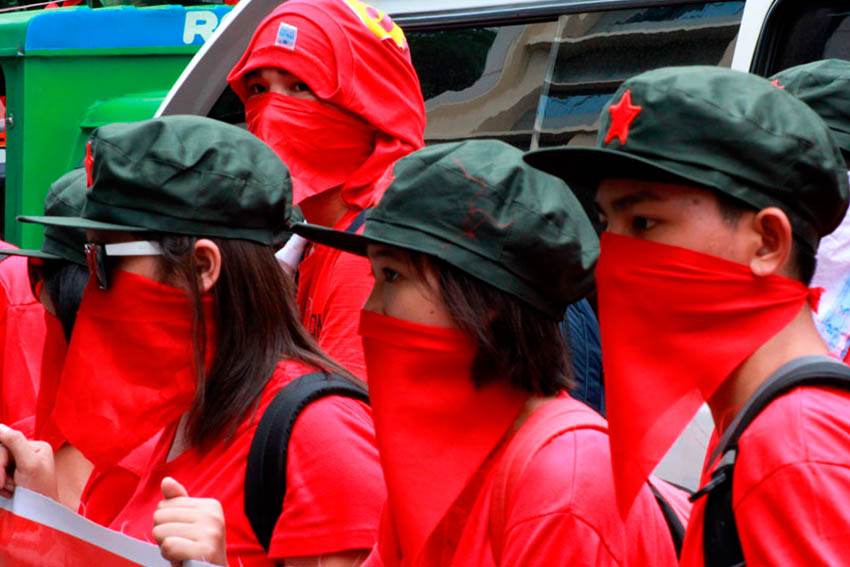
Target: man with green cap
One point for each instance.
(487, 460)
(825, 87)
(716, 187)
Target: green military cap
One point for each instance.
(480, 208)
(185, 175)
(718, 129)
(65, 197)
(825, 87)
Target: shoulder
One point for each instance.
(808, 426)
(569, 474)
(14, 281)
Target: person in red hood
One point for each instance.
(329, 85)
(488, 461)
(716, 187)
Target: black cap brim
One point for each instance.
(584, 168)
(79, 222)
(339, 239)
(29, 254)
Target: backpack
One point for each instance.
(721, 543)
(546, 423)
(265, 474)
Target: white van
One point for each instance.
(531, 72)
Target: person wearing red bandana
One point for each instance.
(488, 461)
(716, 187)
(58, 276)
(188, 323)
(329, 86)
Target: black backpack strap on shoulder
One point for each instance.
(677, 529)
(265, 474)
(358, 221)
(721, 544)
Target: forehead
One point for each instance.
(618, 194)
(269, 74)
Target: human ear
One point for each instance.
(207, 263)
(773, 229)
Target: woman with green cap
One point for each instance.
(487, 460)
(189, 324)
(57, 276)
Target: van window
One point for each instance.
(544, 83)
(800, 32)
(539, 80)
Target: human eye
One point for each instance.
(640, 224)
(301, 87)
(390, 275)
(256, 88)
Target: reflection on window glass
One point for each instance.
(545, 83)
(799, 33)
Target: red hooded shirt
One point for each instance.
(354, 58)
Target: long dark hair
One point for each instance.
(65, 283)
(257, 325)
(516, 341)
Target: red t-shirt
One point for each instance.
(563, 513)
(792, 484)
(22, 335)
(107, 491)
(333, 286)
(335, 489)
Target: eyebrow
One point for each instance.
(632, 199)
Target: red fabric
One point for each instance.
(130, 366)
(791, 485)
(333, 286)
(304, 133)
(434, 428)
(699, 317)
(22, 340)
(563, 513)
(334, 484)
(108, 491)
(53, 360)
(355, 58)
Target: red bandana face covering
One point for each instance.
(322, 145)
(52, 361)
(434, 428)
(130, 367)
(696, 319)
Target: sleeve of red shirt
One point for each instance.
(334, 486)
(352, 283)
(799, 515)
(550, 522)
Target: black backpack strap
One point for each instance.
(358, 221)
(265, 474)
(721, 544)
(674, 525)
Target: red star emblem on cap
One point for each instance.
(775, 83)
(622, 115)
(88, 162)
